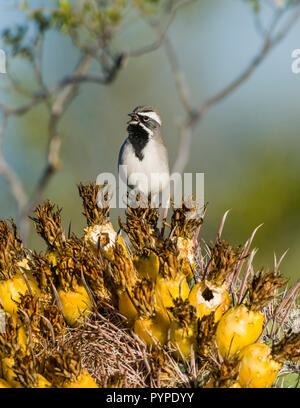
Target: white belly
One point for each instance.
(151, 175)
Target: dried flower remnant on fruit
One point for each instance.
(183, 312)
(116, 380)
(62, 365)
(123, 270)
(83, 262)
(52, 315)
(93, 213)
(25, 369)
(263, 289)
(222, 263)
(206, 339)
(226, 374)
(144, 298)
(288, 348)
(183, 328)
(185, 221)
(64, 370)
(47, 222)
(11, 249)
(45, 319)
(44, 273)
(168, 258)
(100, 235)
(14, 335)
(141, 228)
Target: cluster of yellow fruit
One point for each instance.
(168, 298)
(173, 308)
(31, 320)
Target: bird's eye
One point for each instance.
(145, 118)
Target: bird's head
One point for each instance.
(144, 117)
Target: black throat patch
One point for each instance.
(138, 137)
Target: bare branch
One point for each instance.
(66, 90)
(7, 172)
(156, 44)
(180, 78)
(268, 45)
(194, 115)
(42, 95)
(58, 108)
(184, 148)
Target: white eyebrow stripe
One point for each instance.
(151, 115)
(150, 133)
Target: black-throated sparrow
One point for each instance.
(144, 153)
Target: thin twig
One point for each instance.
(13, 179)
(156, 44)
(195, 114)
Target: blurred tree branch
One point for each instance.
(6, 171)
(162, 34)
(195, 113)
(91, 28)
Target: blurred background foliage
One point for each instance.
(247, 146)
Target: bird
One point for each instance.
(143, 158)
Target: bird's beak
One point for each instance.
(134, 118)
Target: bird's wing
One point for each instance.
(121, 153)
(121, 160)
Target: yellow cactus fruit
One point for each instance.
(152, 331)
(236, 385)
(257, 369)
(183, 339)
(8, 374)
(238, 328)
(210, 384)
(42, 382)
(168, 289)
(147, 265)
(186, 256)
(4, 384)
(15, 332)
(207, 298)
(11, 289)
(24, 265)
(75, 303)
(126, 306)
(22, 337)
(85, 380)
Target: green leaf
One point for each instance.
(64, 5)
